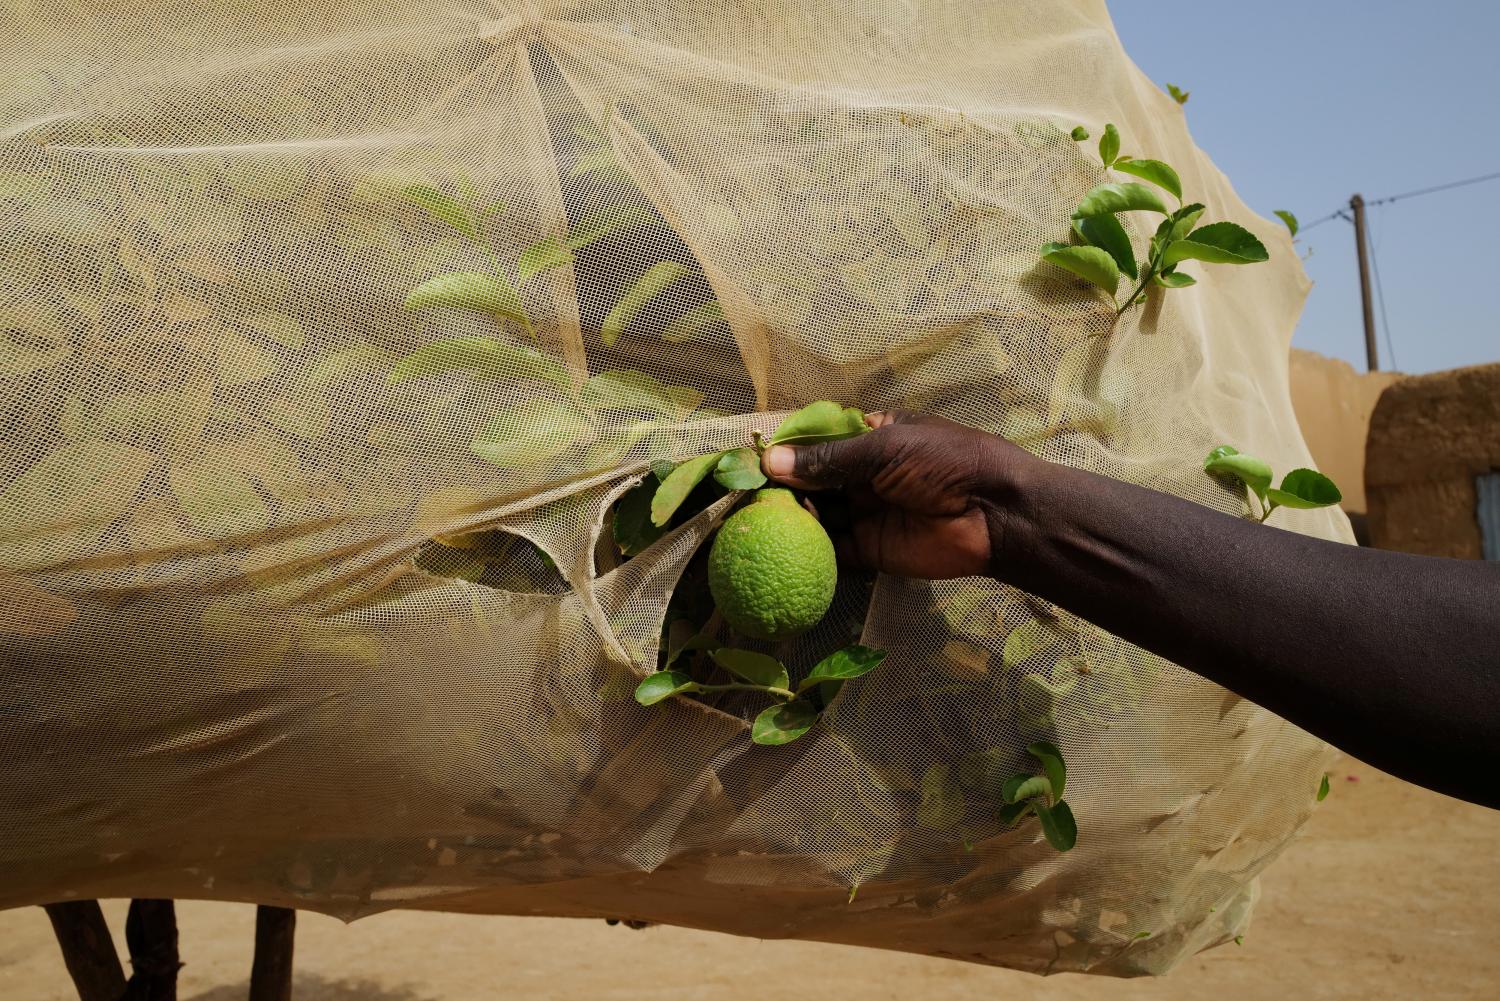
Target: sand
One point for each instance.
(1390, 892)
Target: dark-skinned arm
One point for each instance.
(1391, 657)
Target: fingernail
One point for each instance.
(778, 461)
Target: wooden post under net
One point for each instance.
(271, 971)
(151, 934)
(87, 949)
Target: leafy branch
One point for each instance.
(644, 514)
(497, 292)
(1105, 253)
(1041, 794)
(794, 711)
(1301, 488)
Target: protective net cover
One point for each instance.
(329, 334)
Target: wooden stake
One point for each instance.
(271, 972)
(151, 934)
(87, 949)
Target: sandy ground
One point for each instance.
(1392, 892)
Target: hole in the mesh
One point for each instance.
(693, 624)
(493, 558)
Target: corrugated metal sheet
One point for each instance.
(1488, 489)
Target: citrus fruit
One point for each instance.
(772, 570)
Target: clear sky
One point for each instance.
(1304, 103)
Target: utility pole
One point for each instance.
(1357, 205)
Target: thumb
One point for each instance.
(827, 465)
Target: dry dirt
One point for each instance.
(1391, 892)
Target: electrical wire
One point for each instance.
(1407, 194)
(1437, 188)
(1328, 218)
(1343, 214)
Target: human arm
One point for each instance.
(1391, 657)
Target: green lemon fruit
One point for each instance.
(772, 570)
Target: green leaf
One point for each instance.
(850, 662)
(1079, 133)
(647, 287)
(1011, 813)
(1239, 940)
(693, 323)
(1028, 787)
(543, 256)
(442, 208)
(783, 722)
(1305, 489)
(739, 469)
(1090, 263)
(1052, 763)
(1158, 173)
(337, 366)
(1184, 219)
(481, 357)
(1106, 233)
(280, 327)
(1174, 279)
(756, 668)
(661, 685)
(820, 421)
(1227, 461)
(697, 641)
(62, 505)
(531, 433)
(1058, 825)
(1217, 243)
(942, 803)
(1025, 640)
(598, 225)
(595, 161)
(1176, 226)
(241, 361)
(471, 290)
(632, 526)
(630, 390)
(219, 502)
(678, 484)
(1323, 788)
(1107, 199)
(1289, 219)
(1178, 94)
(1109, 145)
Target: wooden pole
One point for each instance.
(87, 950)
(271, 971)
(1372, 357)
(151, 934)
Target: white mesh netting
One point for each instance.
(241, 400)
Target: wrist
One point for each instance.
(1013, 499)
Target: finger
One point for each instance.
(827, 465)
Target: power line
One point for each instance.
(1440, 187)
(1341, 214)
(1385, 322)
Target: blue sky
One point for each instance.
(1304, 103)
